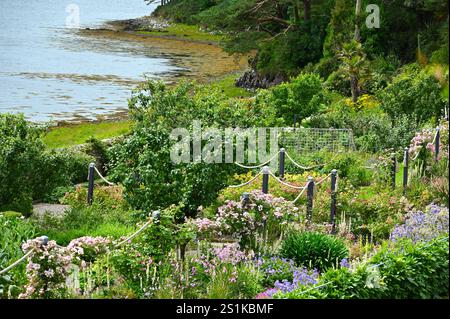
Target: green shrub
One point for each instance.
(373, 129)
(415, 91)
(400, 271)
(303, 96)
(183, 11)
(414, 271)
(57, 194)
(99, 151)
(14, 232)
(27, 170)
(21, 151)
(314, 250)
(77, 166)
(143, 162)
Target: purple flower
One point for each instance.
(344, 263)
(423, 226)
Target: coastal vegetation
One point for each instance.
(74, 134)
(374, 226)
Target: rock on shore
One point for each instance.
(140, 24)
(253, 80)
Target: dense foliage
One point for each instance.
(314, 250)
(15, 230)
(289, 34)
(22, 154)
(171, 229)
(406, 271)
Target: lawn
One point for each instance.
(70, 135)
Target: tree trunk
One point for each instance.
(296, 15)
(282, 11)
(354, 86)
(183, 251)
(307, 10)
(357, 21)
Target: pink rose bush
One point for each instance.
(49, 265)
(263, 216)
(88, 248)
(423, 141)
(47, 269)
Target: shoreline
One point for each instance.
(213, 65)
(200, 60)
(153, 27)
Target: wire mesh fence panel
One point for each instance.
(302, 139)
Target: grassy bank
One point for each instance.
(185, 32)
(227, 85)
(70, 135)
(75, 134)
(196, 41)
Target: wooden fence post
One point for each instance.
(265, 180)
(310, 195)
(90, 195)
(394, 170)
(281, 163)
(437, 143)
(333, 200)
(405, 169)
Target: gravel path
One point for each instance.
(55, 209)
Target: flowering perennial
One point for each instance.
(423, 226)
(46, 271)
(49, 265)
(88, 248)
(243, 220)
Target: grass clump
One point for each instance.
(315, 250)
(186, 32)
(66, 136)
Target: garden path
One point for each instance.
(54, 209)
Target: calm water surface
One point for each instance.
(49, 72)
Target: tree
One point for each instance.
(354, 67)
(143, 162)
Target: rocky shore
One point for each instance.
(252, 80)
(139, 24)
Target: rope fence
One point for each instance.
(44, 241)
(323, 179)
(103, 178)
(129, 238)
(260, 165)
(17, 262)
(301, 193)
(248, 182)
(309, 188)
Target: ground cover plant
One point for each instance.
(156, 228)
